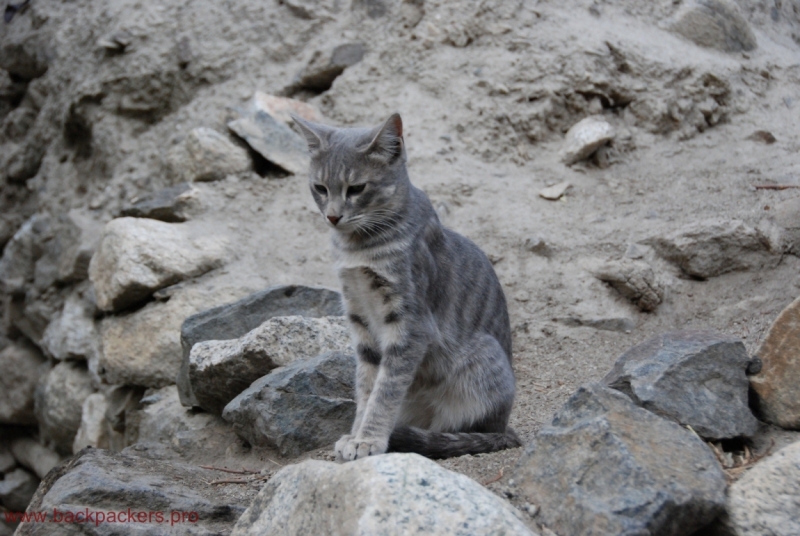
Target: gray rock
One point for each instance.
(584, 138)
(233, 320)
(777, 384)
(17, 265)
(17, 489)
(34, 456)
(715, 24)
(787, 215)
(79, 236)
(635, 280)
(273, 140)
(605, 466)
(73, 335)
(220, 370)
(122, 415)
(390, 495)
(325, 66)
(173, 204)
(7, 461)
(305, 405)
(766, 499)
(207, 155)
(138, 256)
(21, 367)
(59, 401)
(697, 378)
(93, 431)
(713, 247)
(110, 483)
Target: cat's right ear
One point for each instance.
(314, 134)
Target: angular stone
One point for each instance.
(138, 256)
(605, 466)
(73, 335)
(17, 265)
(713, 247)
(584, 138)
(766, 499)
(79, 236)
(17, 489)
(390, 495)
(93, 431)
(173, 204)
(556, 191)
(635, 280)
(280, 108)
(325, 66)
(696, 378)
(21, 366)
(233, 320)
(59, 404)
(777, 385)
(220, 370)
(787, 215)
(34, 456)
(305, 405)
(207, 155)
(715, 24)
(273, 140)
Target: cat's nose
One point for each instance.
(334, 219)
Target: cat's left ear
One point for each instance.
(314, 133)
(388, 144)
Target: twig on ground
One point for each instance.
(234, 471)
(775, 186)
(496, 478)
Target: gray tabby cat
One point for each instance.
(426, 311)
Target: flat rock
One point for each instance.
(233, 320)
(273, 140)
(305, 405)
(325, 66)
(606, 466)
(635, 280)
(59, 403)
(116, 483)
(390, 495)
(713, 247)
(17, 489)
(34, 456)
(555, 192)
(22, 365)
(207, 155)
(777, 385)
(93, 431)
(766, 499)
(138, 256)
(220, 370)
(281, 108)
(696, 378)
(715, 24)
(173, 204)
(584, 138)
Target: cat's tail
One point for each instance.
(447, 445)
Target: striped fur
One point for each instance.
(427, 313)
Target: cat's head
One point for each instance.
(357, 175)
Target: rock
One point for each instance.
(207, 155)
(584, 138)
(635, 280)
(144, 347)
(555, 192)
(173, 204)
(305, 405)
(220, 370)
(152, 489)
(34, 456)
(7, 461)
(715, 24)
(391, 494)
(777, 385)
(73, 335)
(325, 66)
(17, 489)
(696, 378)
(763, 136)
(17, 265)
(79, 235)
(21, 366)
(280, 108)
(273, 140)
(623, 324)
(139, 256)
(767, 498)
(59, 404)
(713, 247)
(605, 466)
(122, 415)
(93, 430)
(233, 320)
(787, 215)
(537, 244)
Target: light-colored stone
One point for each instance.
(207, 155)
(73, 335)
(777, 385)
(34, 456)
(281, 107)
(93, 431)
(59, 404)
(138, 256)
(17, 265)
(17, 489)
(555, 192)
(635, 280)
(787, 215)
(173, 204)
(390, 495)
(22, 366)
(273, 140)
(79, 235)
(715, 24)
(584, 138)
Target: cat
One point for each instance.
(426, 311)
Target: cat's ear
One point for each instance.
(314, 133)
(387, 144)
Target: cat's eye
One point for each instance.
(355, 190)
(321, 189)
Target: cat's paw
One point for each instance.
(350, 448)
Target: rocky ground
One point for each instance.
(149, 174)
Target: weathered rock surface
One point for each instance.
(635, 280)
(59, 403)
(281, 108)
(173, 204)
(584, 138)
(555, 192)
(777, 385)
(605, 466)
(715, 24)
(787, 215)
(73, 335)
(692, 377)
(767, 498)
(93, 430)
(391, 495)
(138, 256)
(207, 155)
(79, 235)
(300, 407)
(108, 483)
(713, 247)
(220, 370)
(273, 140)
(34, 456)
(18, 263)
(233, 320)
(16, 489)
(21, 367)
(325, 66)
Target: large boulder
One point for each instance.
(717, 24)
(233, 320)
(138, 256)
(59, 403)
(21, 366)
(605, 466)
(392, 494)
(300, 407)
(696, 378)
